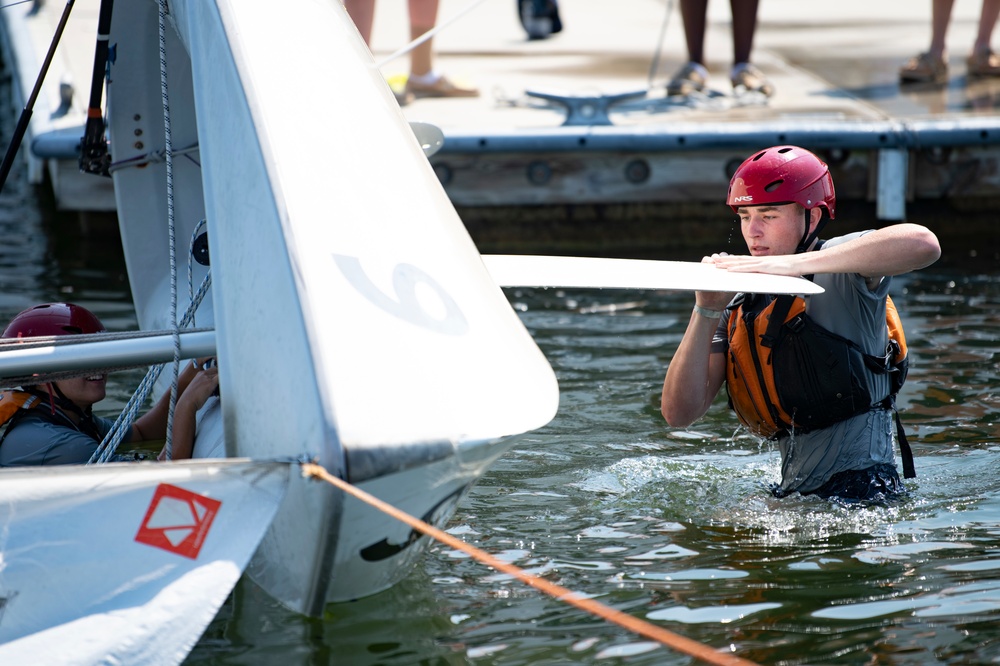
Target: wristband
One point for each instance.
(708, 314)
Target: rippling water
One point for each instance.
(677, 527)
(673, 526)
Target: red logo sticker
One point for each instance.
(178, 520)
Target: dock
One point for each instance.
(576, 130)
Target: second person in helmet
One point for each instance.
(53, 423)
(814, 380)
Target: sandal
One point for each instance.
(692, 77)
(440, 87)
(984, 63)
(750, 79)
(924, 68)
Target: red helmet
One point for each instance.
(783, 174)
(53, 319)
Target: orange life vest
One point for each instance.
(12, 401)
(786, 373)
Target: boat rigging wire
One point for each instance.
(671, 640)
(168, 148)
(22, 122)
(123, 424)
(655, 64)
(154, 157)
(427, 35)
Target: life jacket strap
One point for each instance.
(905, 452)
(904, 449)
(782, 306)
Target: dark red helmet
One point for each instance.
(53, 319)
(783, 174)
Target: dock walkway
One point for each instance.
(834, 66)
(835, 73)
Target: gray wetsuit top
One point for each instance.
(33, 440)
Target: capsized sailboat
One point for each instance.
(355, 321)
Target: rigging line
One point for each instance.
(123, 423)
(15, 4)
(427, 35)
(655, 64)
(668, 638)
(168, 147)
(22, 121)
(154, 157)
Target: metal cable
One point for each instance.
(123, 424)
(655, 64)
(168, 154)
(427, 35)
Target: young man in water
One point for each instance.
(826, 393)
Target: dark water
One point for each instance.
(673, 526)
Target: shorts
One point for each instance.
(877, 483)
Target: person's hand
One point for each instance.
(779, 264)
(201, 387)
(713, 300)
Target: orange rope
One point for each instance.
(634, 624)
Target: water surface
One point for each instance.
(677, 526)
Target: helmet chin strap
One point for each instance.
(59, 398)
(808, 238)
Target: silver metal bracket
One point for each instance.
(587, 110)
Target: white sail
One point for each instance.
(355, 322)
(125, 563)
(399, 313)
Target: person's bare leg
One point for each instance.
(693, 15)
(931, 66)
(982, 61)
(423, 17)
(362, 12)
(987, 21)
(693, 76)
(423, 80)
(744, 25)
(744, 75)
(940, 18)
